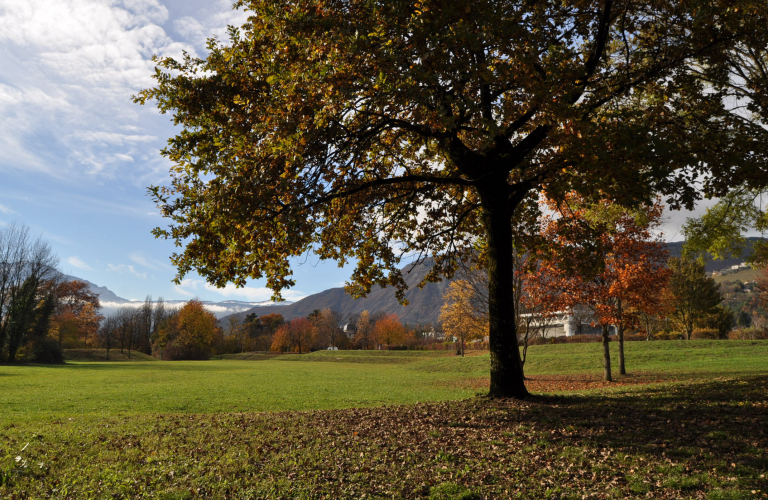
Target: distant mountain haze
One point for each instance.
(423, 308)
(110, 302)
(424, 304)
(676, 248)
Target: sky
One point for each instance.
(77, 155)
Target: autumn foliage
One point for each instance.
(77, 315)
(298, 335)
(460, 317)
(189, 334)
(604, 257)
(389, 331)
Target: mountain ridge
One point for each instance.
(424, 307)
(425, 303)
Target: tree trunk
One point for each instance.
(506, 368)
(606, 354)
(622, 369)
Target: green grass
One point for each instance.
(745, 275)
(692, 440)
(710, 356)
(397, 424)
(81, 388)
(326, 380)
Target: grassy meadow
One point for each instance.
(689, 421)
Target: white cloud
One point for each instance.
(192, 287)
(188, 287)
(209, 22)
(113, 139)
(79, 264)
(6, 210)
(124, 268)
(143, 260)
(69, 69)
(252, 294)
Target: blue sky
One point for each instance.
(76, 155)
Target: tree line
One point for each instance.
(324, 329)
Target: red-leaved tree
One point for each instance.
(604, 257)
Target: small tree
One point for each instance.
(296, 334)
(693, 294)
(389, 331)
(459, 315)
(90, 318)
(190, 334)
(364, 332)
(107, 333)
(328, 330)
(604, 257)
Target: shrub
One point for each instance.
(635, 337)
(669, 336)
(748, 334)
(46, 351)
(705, 334)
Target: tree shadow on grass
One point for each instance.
(721, 425)
(703, 440)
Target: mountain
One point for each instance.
(676, 248)
(104, 293)
(424, 304)
(110, 302)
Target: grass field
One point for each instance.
(745, 275)
(690, 421)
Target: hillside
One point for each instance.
(424, 304)
(676, 248)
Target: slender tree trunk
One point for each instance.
(607, 353)
(622, 368)
(506, 368)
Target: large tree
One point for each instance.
(369, 130)
(26, 267)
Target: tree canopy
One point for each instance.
(370, 130)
